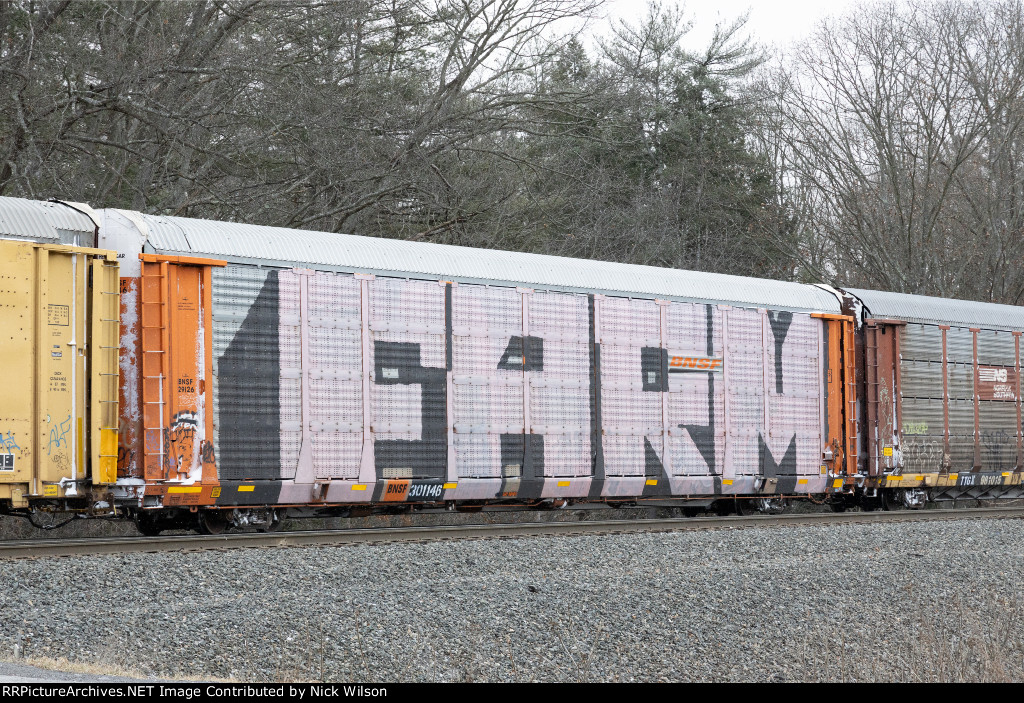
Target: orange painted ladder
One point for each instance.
(155, 340)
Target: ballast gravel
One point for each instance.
(920, 602)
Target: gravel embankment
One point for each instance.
(923, 601)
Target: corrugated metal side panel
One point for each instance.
(921, 342)
(234, 241)
(924, 380)
(996, 348)
(921, 379)
(44, 222)
(961, 417)
(998, 417)
(922, 454)
(927, 309)
(959, 345)
(961, 381)
(922, 416)
(247, 372)
(961, 452)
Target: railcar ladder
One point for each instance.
(850, 383)
(155, 319)
(106, 326)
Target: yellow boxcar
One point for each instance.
(59, 331)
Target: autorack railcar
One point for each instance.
(265, 371)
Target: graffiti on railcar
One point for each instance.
(921, 453)
(7, 442)
(58, 435)
(998, 449)
(399, 363)
(180, 439)
(7, 458)
(779, 322)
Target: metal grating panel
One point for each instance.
(247, 374)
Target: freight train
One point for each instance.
(213, 375)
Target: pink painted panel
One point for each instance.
(567, 454)
(483, 408)
(334, 414)
(559, 316)
(486, 311)
(479, 456)
(407, 305)
(336, 454)
(687, 459)
(631, 410)
(688, 326)
(625, 455)
(631, 322)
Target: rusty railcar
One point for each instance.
(940, 381)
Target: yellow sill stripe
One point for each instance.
(450, 485)
(246, 489)
(185, 489)
(802, 481)
(359, 487)
(652, 482)
(563, 483)
(726, 481)
(838, 483)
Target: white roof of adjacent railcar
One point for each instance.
(277, 246)
(940, 311)
(47, 222)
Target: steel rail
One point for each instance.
(31, 549)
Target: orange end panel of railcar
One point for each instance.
(176, 362)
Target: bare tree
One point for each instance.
(898, 134)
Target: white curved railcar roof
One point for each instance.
(49, 222)
(277, 246)
(944, 311)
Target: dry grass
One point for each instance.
(106, 667)
(953, 642)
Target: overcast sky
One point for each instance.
(777, 22)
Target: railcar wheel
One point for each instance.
(275, 524)
(888, 500)
(212, 522)
(771, 506)
(147, 526)
(745, 506)
(870, 504)
(724, 507)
